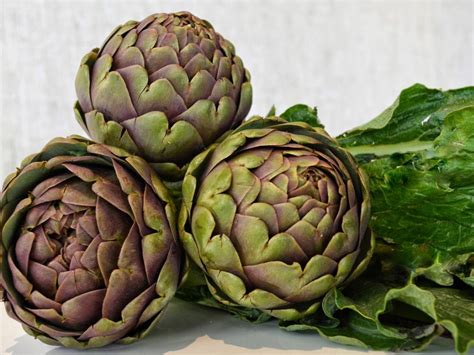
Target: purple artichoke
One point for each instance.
(163, 88)
(88, 238)
(275, 216)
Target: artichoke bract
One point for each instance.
(163, 88)
(89, 244)
(276, 216)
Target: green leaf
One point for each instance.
(358, 331)
(302, 113)
(413, 121)
(388, 315)
(419, 156)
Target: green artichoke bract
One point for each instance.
(89, 244)
(163, 88)
(276, 216)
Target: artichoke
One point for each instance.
(163, 88)
(276, 215)
(89, 244)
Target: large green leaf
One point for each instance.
(419, 155)
(411, 123)
(387, 315)
(302, 113)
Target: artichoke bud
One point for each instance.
(89, 241)
(276, 215)
(163, 88)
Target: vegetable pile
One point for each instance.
(366, 239)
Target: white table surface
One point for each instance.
(192, 329)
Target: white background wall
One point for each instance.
(350, 58)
